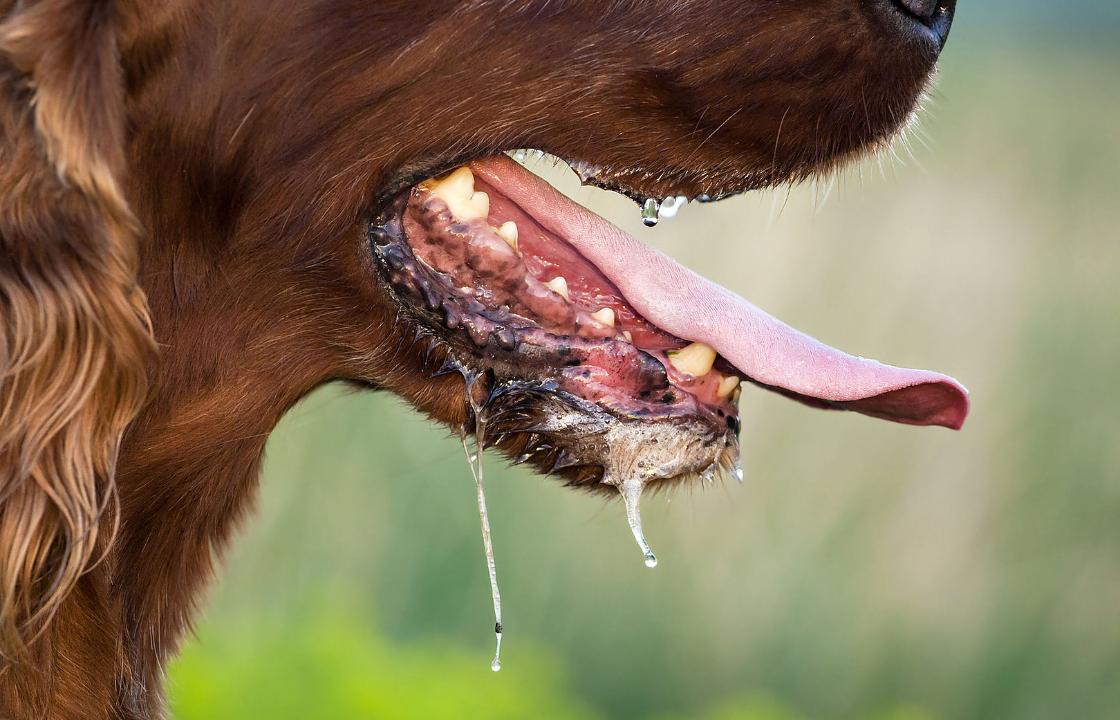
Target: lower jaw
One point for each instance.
(589, 406)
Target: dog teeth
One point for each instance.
(456, 188)
(477, 207)
(695, 360)
(508, 232)
(559, 286)
(455, 185)
(727, 386)
(629, 338)
(605, 316)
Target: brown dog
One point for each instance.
(188, 194)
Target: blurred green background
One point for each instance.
(864, 569)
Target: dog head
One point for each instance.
(285, 179)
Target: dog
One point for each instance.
(209, 208)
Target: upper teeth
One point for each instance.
(559, 286)
(457, 190)
(508, 232)
(695, 360)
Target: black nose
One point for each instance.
(932, 18)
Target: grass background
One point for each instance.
(864, 569)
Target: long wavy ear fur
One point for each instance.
(75, 341)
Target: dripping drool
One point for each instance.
(632, 455)
(474, 460)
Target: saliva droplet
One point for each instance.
(520, 156)
(650, 210)
(496, 664)
(670, 206)
(632, 494)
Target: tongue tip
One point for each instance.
(955, 408)
(955, 412)
(938, 401)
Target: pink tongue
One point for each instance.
(768, 351)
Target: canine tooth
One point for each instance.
(508, 232)
(605, 316)
(727, 386)
(457, 190)
(559, 286)
(695, 360)
(479, 206)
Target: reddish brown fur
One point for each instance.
(252, 140)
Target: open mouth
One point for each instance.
(633, 363)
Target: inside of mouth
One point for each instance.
(518, 292)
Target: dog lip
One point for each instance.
(623, 183)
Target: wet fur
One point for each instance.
(213, 165)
